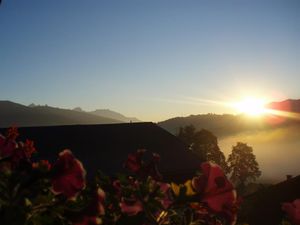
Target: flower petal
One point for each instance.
(68, 175)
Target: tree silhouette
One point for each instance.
(204, 144)
(242, 164)
(187, 135)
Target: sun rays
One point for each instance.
(251, 106)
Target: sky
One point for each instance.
(152, 59)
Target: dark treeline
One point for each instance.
(241, 165)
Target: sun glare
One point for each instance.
(251, 106)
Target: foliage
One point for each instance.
(242, 164)
(40, 193)
(204, 144)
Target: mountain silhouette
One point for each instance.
(221, 125)
(23, 116)
(110, 114)
(228, 124)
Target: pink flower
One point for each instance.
(166, 200)
(68, 175)
(293, 211)
(216, 190)
(131, 206)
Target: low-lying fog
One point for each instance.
(277, 151)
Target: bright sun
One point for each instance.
(251, 106)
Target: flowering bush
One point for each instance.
(36, 192)
(292, 210)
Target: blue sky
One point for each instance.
(153, 59)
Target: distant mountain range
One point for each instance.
(222, 125)
(228, 124)
(110, 114)
(35, 115)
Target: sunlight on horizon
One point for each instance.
(251, 106)
(287, 114)
(257, 107)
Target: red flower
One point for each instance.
(91, 214)
(28, 148)
(151, 169)
(7, 146)
(86, 220)
(22, 152)
(15, 152)
(293, 211)
(68, 175)
(12, 133)
(43, 165)
(136, 165)
(216, 191)
(117, 187)
(204, 214)
(134, 161)
(131, 206)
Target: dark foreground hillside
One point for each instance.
(105, 147)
